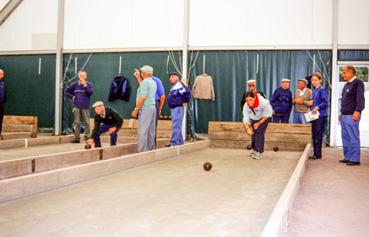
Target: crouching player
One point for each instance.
(106, 120)
(257, 113)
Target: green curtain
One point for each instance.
(231, 69)
(30, 86)
(103, 67)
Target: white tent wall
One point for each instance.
(123, 24)
(159, 24)
(261, 23)
(32, 26)
(353, 23)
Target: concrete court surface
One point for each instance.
(333, 200)
(170, 198)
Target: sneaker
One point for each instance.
(257, 156)
(252, 153)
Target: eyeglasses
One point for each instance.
(251, 85)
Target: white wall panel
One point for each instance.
(260, 22)
(22, 29)
(123, 23)
(353, 22)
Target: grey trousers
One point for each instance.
(146, 129)
(84, 115)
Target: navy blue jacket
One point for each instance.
(321, 100)
(178, 95)
(353, 97)
(281, 101)
(119, 89)
(81, 94)
(2, 91)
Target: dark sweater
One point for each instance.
(81, 94)
(112, 118)
(352, 97)
(281, 101)
(2, 91)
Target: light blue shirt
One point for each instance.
(147, 89)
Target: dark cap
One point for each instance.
(173, 73)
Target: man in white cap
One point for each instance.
(145, 110)
(302, 96)
(251, 84)
(108, 120)
(281, 102)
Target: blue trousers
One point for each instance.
(299, 118)
(103, 129)
(177, 119)
(317, 130)
(258, 137)
(281, 118)
(350, 138)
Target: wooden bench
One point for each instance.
(288, 137)
(24, 124)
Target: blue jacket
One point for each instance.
(178, 95)
(353, 97)
(159, 88)
(81, 94)
(2, 91)
(119, 89)
(321, 100)
(281, 101)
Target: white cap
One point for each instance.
(251, 81)
(147, 69)
(304, 80)
(285, 80)
(97, 104)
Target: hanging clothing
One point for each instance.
(203, 88)
(119, 89)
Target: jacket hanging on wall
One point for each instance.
(203, 88)
(119, 89)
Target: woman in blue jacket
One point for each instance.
(319, 103)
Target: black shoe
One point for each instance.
(168, 145)
(75, 141)
(344, 161)
(351, 163)
(314, 157)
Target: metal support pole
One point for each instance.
(335, 75)
(59, 69)
(185, 58)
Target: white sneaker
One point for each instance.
(252, 153)
(257, 156)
